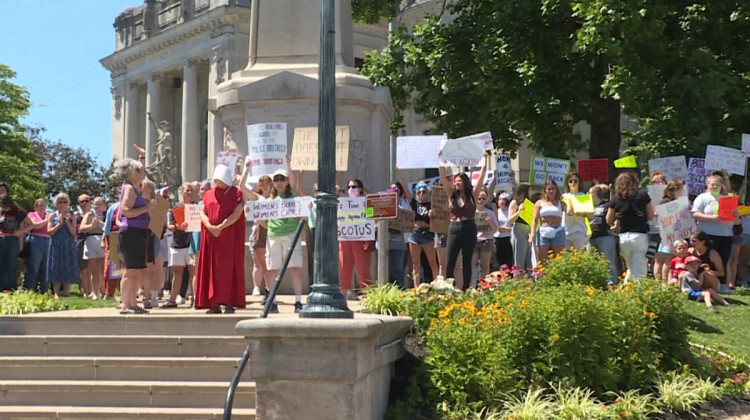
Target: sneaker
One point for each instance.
(256, 291)
(725, 290)
(352, 295)
(297, 307)
(274, 308)
(179, 300)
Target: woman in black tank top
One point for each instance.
(712, 266)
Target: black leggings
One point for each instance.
(462, 237)
(722, 245)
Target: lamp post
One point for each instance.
(325, 299)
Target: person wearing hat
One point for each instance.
(692, 285)
(220, 275)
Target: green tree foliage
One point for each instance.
(18, 163)
(372, 11)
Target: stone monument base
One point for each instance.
(332, 369)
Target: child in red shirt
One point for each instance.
(677, 265)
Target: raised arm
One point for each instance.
(247, 193)
(482, 173)
(300, 189)
(534, 219)
(443, 176)
(407, 190)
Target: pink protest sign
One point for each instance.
(727, 206)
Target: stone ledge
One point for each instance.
(361, 326)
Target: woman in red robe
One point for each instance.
(221, 261)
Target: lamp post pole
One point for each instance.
(325, 299)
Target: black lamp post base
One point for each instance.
(325, 301)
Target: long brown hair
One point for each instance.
(557, 190)
(672, 188)
(522, 192)
(626, 185)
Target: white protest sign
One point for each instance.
(353, 225)
(486, 137)
(720, 157)
(228, 159)
(278, 209)
(675, 220)
(193, 217)
(746, 143)
(505, 175)
(266, 149)
(467, 152)
(417, 152)
(673, 167)
(696, 180)
(656, 192)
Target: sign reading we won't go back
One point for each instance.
(548, 169)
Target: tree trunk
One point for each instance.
(605, 133)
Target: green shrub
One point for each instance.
(387, 299)
(26, 302)
(533, 405)
(577, 404)
(632, 405)
(684, 392)
(585, 266)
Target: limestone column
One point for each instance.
(153, 105)
(131, 120)
(217, 74)
(190, 159)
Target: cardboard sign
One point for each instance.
(404, 221)
(720, 157)
(158, 216)
(727, 206)
(116, 260)
(266, 149)
(417, 152)
(381, 206)
(305, 148)
(673, 167)
(504, 173)
(228, 159)
(193, 217)
(352, 223)
(675, 220)
(626, 162)
(486, 137)
(746, 143)
(463, 153)
(544, 169)
(527, 214)
(581, 204)
(594, 169)
(439, 213)
(483, 222)
(696, 180)
(278, 208)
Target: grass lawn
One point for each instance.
(727, 328)
(75, 301)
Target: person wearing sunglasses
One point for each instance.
(92, 226)
(62, 259)
(575, 222)
(354, 253)
(83, 212)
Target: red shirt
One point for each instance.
(677, 266)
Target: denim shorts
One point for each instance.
(557, 240)
(421, 236)
(696, 295)
(745, 239)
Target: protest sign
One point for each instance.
(461, 153)
(417, 152)
(675, 220)
(696, 180)
(116, 266)
(381, 206)
(544, 169)
(527, 213)
(594, 169)
(278, 209)
(504, 173)
(266, 149)
(656, 192)
(486, 137)
(352, 223)
(178, 215)
(743, 210)
(746, 143)
(158, 215)
(193, 217)
(727, 206)
(439, 217)
(305, 149)
(581, 204)
(720, 157)
(483, 222)
(626, 162)
(228, 159)
(404, 221)
(673, 167)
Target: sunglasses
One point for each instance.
(62, 202)
(351, 187)
(84, 201)
(572, 181)
(279, 179)
(481, 199)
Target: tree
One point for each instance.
(18, 163)
(372, 11)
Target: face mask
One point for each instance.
(353, 192)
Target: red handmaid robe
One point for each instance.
(220, 277)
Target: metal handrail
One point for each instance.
(270, 297)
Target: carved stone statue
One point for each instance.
(229, 144)
(162, 169)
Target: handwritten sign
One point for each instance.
(548, 169)
(720, 157)
(352, 223)
(305, 148)
(504, 173)
(746, 143)
(461, 153)
(439, 216)
(178, 215)
(581, 204)
(381, 206)
(482, 220)
(656, 192)
(116, 260)
(527, 213)
(404, 221)
(158, 215)
(743, 210)
(193, 217)
(228, 159)
(279, 208)
(417, 152)
(486, 137)
(594, 169)
(675, 220)
(266, 149)
(626, 162)
(696, 180)
(727, 206)
(673, 167)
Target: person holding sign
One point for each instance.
(420, 238)
(179, 252)
(631, 207)
(519, 236)
(503, 248)
(574, 220)
(462, 234)
(485, 239)
(220, 278)
(548, 212)
(665, 251)
(601, 237)
(259, 232)
(354, 253)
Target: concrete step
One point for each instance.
(149, 324)
(120, 393)
(122, 345)
(119, 413)
(100, 368)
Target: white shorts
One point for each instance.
(180, 257)
(92, 247)
(276, 249)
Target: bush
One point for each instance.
(586, 266)
(684, 392)
(387, 299)
(632, 405)
(27, 302)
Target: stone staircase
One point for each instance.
(96, 364)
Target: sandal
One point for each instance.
(169, 304)
(214, 310)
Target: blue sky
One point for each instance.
(54, 46)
